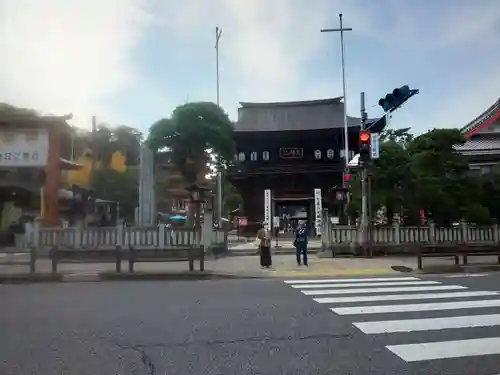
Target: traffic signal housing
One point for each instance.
(364, 146)
(397, 98)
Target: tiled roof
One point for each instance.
(477, 123)
(314, 114)
(478, 145)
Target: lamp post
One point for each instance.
(218, 33)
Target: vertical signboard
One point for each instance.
(318, 208)
(267, 206)
(375, 145)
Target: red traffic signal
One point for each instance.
(364, 137)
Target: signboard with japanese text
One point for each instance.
(267, 206)
(318, 208)
(24, 148)
(375, 145)
(291, 153)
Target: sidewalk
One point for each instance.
(241, 267)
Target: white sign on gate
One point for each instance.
(318, 208)
(375, 145)
(267, 206)
(24, 148)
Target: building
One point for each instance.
(175, 199)
(34, 152)
(289, 155)
(482, 144)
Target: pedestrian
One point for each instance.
(264, 236)
(300, 243)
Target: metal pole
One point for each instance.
(94, 152)
(218, 33)
(364, 190)
(344, 93)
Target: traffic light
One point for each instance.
(364, 146)
(394, 100)
(347, 176)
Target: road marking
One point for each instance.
(415, 307)
(398, 297)
(312, 286)
(446, 349)
(431, 324)
(381, 290)
(358, 280)
(468, 275)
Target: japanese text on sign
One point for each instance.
(21, 148)
(317, 209)
(267, 206)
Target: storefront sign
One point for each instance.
(24, 148)
(318, 208)
(267, 206)
(291, 153)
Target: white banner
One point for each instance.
(24, 148)
(318, 208)
(375, 145)
(267, 206)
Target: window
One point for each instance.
(241, 156)
(317, 154)
(265, 155)
(329, 153)
(253, 156)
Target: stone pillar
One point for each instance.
(53, 177)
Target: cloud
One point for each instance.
(62, 56)
(267, 44)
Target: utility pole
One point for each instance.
(364, 187)
(94, 152)
(342, 45)
(218, 33)
(344, 93)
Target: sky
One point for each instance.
(131, 62)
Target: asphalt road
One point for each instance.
(238, 327)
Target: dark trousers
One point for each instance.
(301, 248)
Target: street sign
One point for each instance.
(375, 145)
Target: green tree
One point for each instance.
(443, 186)
(107, 140)
(195, 135)
(391, 177)
(118, 186)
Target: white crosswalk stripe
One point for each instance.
(363, 298)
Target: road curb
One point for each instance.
(28, 278)
(458, 269)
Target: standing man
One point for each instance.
(300, 243)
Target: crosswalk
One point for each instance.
(410, 305)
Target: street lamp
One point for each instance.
(218, 33)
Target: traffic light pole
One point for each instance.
(364, 187)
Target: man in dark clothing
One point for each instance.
(300, 243)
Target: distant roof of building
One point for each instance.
(298, 115)
(482, 121)
(479, 145)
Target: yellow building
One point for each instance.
(81, 177)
